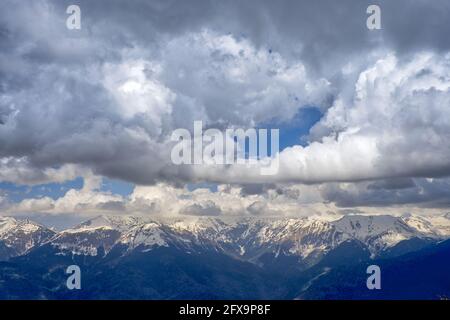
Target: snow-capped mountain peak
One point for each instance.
(247, 238)
(120, 223)
(378, 232)
(18, 236)
(433, 225)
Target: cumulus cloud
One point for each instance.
(401, 106)
(106, 99)
(166, 200)
(394, 124)
(293, 200)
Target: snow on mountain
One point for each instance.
(100, 232)
(436, 226)
(441, 224)
(19, 236)
(147, 235)
(302, 237)
(244, 238)
(377, 232)
(121, 223)
(250, 239)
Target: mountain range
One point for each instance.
(127, 257)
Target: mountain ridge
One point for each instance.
(215, 258)
(246, 238)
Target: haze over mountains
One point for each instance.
(212, 257)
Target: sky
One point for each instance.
(86, 116)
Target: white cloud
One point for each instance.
(395, 124)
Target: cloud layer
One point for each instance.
(104, 100)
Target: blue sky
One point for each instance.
(296, 130)
(17, 193)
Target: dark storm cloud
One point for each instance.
(426, 193)
(392, 184)
(60, 91)
(322, 32)
(321, 28)
(254, 188)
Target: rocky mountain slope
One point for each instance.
(209, 257)
(17, 237)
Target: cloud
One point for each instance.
(394, 124)
(419, 193)
(392, 184)
(427, 196)
(167, 200)
(112, 206)
(106, 99)
(206, 209)
(114, 115)
(255, 188)
(20, 171)
(399, 106)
